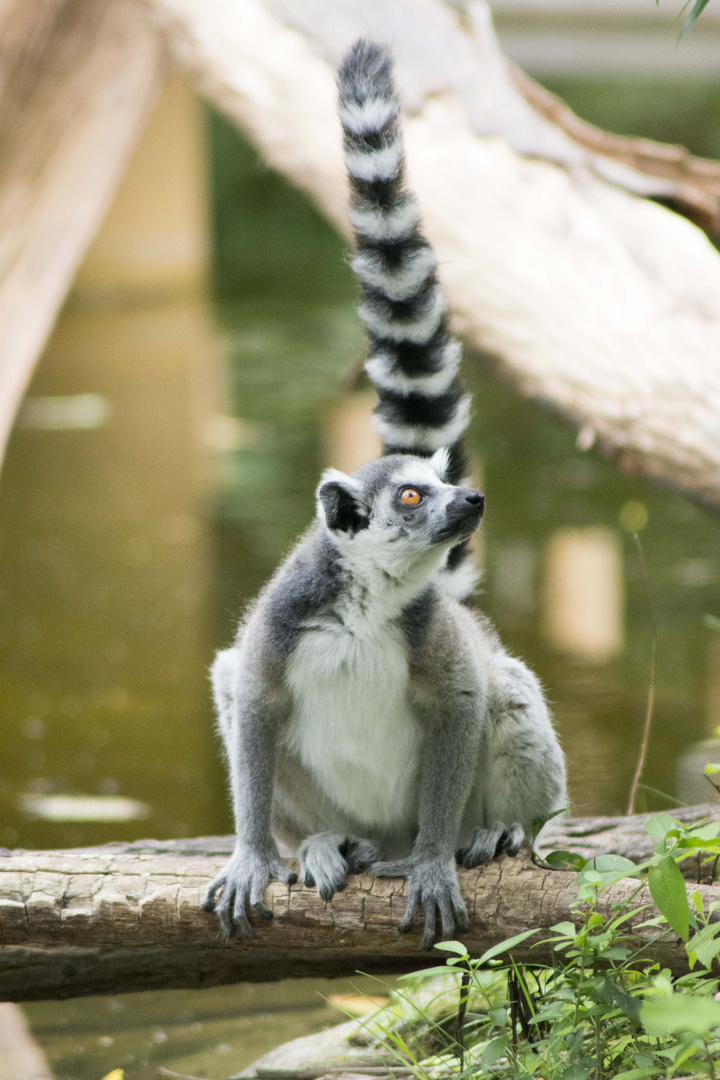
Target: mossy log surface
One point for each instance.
(128, 917)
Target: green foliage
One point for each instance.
(696, 10)
(600, 1010)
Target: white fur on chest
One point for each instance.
(352, 725)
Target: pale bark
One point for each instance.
(128, 917)
(20, 1056)
(604, 305)
(77, 78)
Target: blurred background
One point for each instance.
(202, 373)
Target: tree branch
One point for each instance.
(77, 80)
(603, 305)
(128, 917)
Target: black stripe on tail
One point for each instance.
(413, 359)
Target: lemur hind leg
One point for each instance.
(327, 858)
(487, 843)
(521, 775)
(223, 675)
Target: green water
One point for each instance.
(127, 551)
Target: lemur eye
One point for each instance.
(410, 497)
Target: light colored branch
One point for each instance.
(77, 80)
(601, 304)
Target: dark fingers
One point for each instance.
(446, 918)
(404, 924)
(429, 931)
(262, 910)
(213, 889)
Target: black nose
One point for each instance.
(475, 498)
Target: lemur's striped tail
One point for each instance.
(413, 358)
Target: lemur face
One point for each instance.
(397, 508)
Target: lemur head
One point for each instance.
(397, 513)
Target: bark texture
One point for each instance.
(77, 78)
(128, 917)
(604, 305)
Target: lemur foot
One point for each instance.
(432, 883)
(487, 844)
(327, 858)
(243, 882)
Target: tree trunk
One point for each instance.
(604, 305)
(128, 917)
(77, 78)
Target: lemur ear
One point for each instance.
(341, 503)
(440, 462)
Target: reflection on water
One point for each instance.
(129, 545)
(214, 1032)
(104, 570)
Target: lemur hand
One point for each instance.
(433, 884)
(243, 882)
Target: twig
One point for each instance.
(651, 688)
(462, 1010)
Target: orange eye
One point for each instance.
(410, 497)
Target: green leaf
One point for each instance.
(452, 946)
(709, 831)
(615, 953)
(503, 946)
(667, 887)
(697, 9)
(603, 870)
(567, 929)
(492, 1053)
(539, 823)
(552, 1011)
(610, 993)
(705, 945)
(565, 860)
(635, 1074)
(711, 768)
(629, 1005)
(659, 826)
(575, 1072)
(680, 1012)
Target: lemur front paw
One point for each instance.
(327, 858)
(432, 884)
(487, 844)
(243, 882)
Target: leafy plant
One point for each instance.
(600, 1009)
(696, 10)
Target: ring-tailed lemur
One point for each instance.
(365, 712)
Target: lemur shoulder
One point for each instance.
(369, 718)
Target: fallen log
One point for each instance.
(601, 304)
(129, 917)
